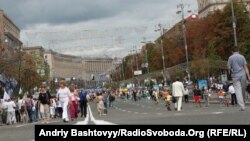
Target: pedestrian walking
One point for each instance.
(73, 102)
(206, 96)
(231, 90)
(28, 106)
(111, 99)
(178, 91)
(17, 111)
(134, 94)
(100, 104)
(238, 69)
(52, 108)
(156, 96)
(197, 95)
(44, 104)
(167, 99)
(83, 103)
(63, 96)
(59, 109)
(11, 116)
(221, 95)
(186, 94)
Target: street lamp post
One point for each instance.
(147, 65)
(161, 29)
(132, 63)
(19, 68)
(146, 52)
(181, 5)
(123, 76)
(137, 64)
(136, 58)
(234, 24)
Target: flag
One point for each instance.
(10, 85)
(6, 96)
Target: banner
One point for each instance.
(202, 83)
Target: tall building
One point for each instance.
(63, 66)
(81, 68)
(9, 34)
(94, 67)
(9, 42)
(206, 7)
(37, 53)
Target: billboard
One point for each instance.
(202, 83)
(138, 72)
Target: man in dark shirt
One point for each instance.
(44, 102)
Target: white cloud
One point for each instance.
(107, 34)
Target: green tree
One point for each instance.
(224, 38)
(213, 58)
(29, 78)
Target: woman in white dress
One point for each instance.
(63, 96)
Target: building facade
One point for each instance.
(9, 42)
(206, 7)
(96, 67)
(63, 66)
(80, 68)
(37, 53)
(9, 34)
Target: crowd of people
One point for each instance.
(67, 104)
(70, 101)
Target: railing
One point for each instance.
(171, 70)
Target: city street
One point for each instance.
(57, 55)
(140, 113)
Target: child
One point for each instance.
(167, 98)
(52, 108)
(221, 96)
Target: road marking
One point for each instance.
(85, 122)
(98, 122)
(216, 113)
(92, 118)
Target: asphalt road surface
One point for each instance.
(139, 113)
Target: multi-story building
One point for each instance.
(206, 7)
(95, 67)
(9, 34)
(36, 50)
(81, 68)
(9, 42)
(64, 66)
(37, 53)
